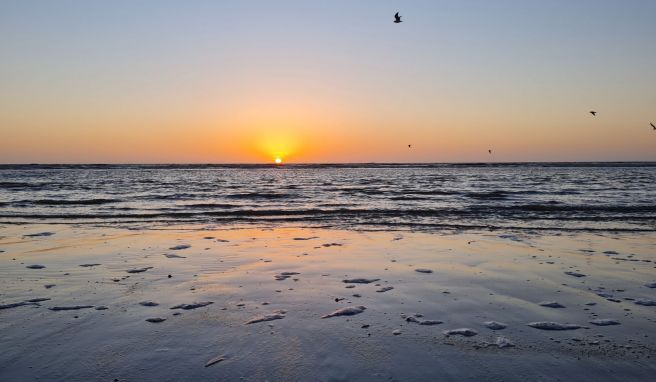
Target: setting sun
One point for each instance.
(278, 161)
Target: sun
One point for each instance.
(278, 160)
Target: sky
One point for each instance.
(310, 81)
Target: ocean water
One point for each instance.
(563, 196)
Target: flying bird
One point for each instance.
(397, 18)
(652, 125)
(409, 146)
(594, 113)
(489, 151)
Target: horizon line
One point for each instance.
(272, 164)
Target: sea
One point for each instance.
(523, 196)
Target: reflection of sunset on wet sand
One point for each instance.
(256, 296)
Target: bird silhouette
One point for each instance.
(652, 125)
(397, 18)
(409, 146)
(594, 113)
(489, 151)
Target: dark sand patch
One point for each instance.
(74, 307)
(285, 275)
(138, 270)
(575, 274)
(148, 303)
(551, 304)
(193, 306)
(360, 281)
(156, 320)
(180, 247)
(39, 234)
(549, 325)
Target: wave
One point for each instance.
(67, 202)
(261, 195)
(481, 212)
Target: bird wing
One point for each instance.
(396, 15)
(652, 125)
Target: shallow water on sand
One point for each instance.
(294, 276)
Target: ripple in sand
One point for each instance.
(430, 322)
(35, 266)
(215, 360)
(102, 307)
(551, 304)
(549, 325)
(396, 332)
(651, 285)
(384, 289)
(604, 322)
(276, 315)
(172, 256)
(495, 325)
(192, 306)
(40, 234)
(74, 307)
(148, 303)
(89, 265)
(645, 302)
(156, 320)
(40, 299)
(575, 274)
(460, 332)
(350, 311)
(138, 270)
(359, 281)
(17, 304)
(423, 270)
(180, 247)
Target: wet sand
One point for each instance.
(207, 303)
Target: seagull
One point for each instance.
(652, 125)
(397, 18)
(594, 113)
(409, 146)
(489, 151)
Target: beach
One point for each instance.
(244, 302)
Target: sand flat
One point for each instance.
(495, 280)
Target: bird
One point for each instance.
(409, 146)
(489, 151)
(652, 125)
(397, 18)
(594, 113)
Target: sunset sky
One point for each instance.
(326, 81)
